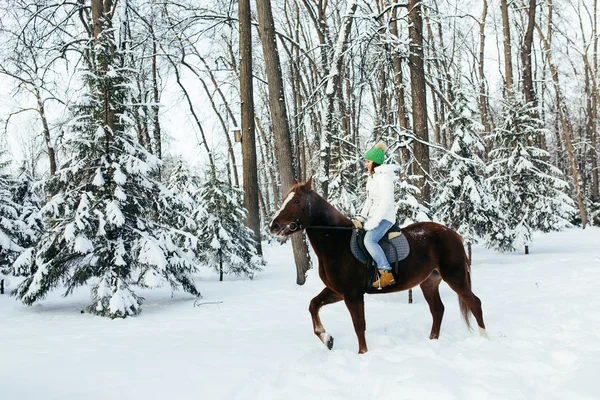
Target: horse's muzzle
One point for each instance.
(274, 227)
(285, 230)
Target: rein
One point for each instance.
(325, 227)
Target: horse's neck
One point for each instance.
(324, 214)
(328, 244)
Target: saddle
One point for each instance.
(394, 244)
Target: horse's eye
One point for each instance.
(297, 202)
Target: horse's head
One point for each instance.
(294, 211)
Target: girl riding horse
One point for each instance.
(436, 253)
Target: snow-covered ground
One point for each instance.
(254, 339)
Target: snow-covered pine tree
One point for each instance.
(462, 198)
(185, 186)
(183, 182)
(11, 226)
(346, 181)
(102, 218)
(226, 244)
(27, 194)
(595, 213)
(409, 210)
(528, 189)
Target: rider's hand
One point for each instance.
(370, 224)
(357, 224)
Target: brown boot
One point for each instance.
(385, 279)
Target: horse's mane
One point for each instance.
(325, 212)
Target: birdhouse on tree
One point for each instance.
(237, 134)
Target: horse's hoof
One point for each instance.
(329, 342)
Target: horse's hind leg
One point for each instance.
(431, 292)
(461, 283)
(327, 296)
(356, 306)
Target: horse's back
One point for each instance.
(430, 230)
(444, 242)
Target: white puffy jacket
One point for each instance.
(380, 202)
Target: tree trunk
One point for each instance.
(280, 121)
(483, 94)
(507, 51)
(269, 162)
(47, 138)
(248, 138)
(439, 66)
(156, 98)
(403, 121)
(469, 252)
(528, 88)
(101, 18)
(419, 95)
(594, 116)
(333, 82)
(437, 122)
(526, 249)
(220, 266)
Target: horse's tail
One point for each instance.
(464, 308)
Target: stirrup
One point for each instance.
(389, 280)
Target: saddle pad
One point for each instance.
(395, 249)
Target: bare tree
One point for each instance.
(562, 110)
(419, 94)
(528, 89)
(280, 123)
(333, 83)
(248, 137)
(508, 71)
(594, 106)
(483, 91)
(30, 57)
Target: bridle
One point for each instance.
(295, 225)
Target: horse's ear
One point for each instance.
(294, 182)
(308, 183)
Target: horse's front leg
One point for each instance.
(327, 296)
(356, 306)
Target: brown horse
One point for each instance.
(436, 253)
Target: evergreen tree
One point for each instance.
(185, 186)
(106, 218)
(226, 244)
(406, 191)
(409, 209)
(27, 195)
(11, 226)
(595, 213)
(346, 180)
(528, 189)
(463, 201)
(183, 182)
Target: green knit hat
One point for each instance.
(377, 153)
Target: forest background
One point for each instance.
(121, 120)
